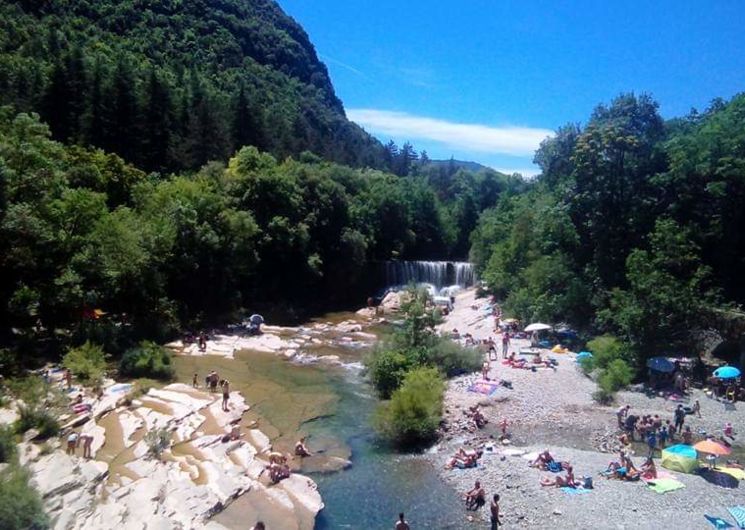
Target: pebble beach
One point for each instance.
(553, 409)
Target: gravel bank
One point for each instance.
(554, 409)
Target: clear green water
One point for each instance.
(380, 484)
(334, 405)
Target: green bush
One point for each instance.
(617, 375)
(87, 363)
(453, 359)
(587, 364)
(411, 418)
(20, 505)
(7, 445)
(31, 417)
(603, 397)
(147, 360)
(387, 369)
(606, 349)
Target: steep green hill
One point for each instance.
(172, 84)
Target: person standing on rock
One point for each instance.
(225, 395)
(87, 440)
(402, 524)
(72, 443)
(495, 522)
(202, 341)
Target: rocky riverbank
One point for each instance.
(553, 409)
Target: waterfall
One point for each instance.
(437, 273)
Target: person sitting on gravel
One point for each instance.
(278, 472)
(560, 482)
(649, 470)
(478, 418)
(543, 460)
(475, 498)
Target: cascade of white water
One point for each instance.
(437, 273)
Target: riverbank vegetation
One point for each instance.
(632, 229)
(408, 371)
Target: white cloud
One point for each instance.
(508, 140)
(527, 172)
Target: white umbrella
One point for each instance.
(537, 327)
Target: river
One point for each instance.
(333, 405)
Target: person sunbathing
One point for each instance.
(560, 482)
(463, 459)
(543, 460)
(475, 498)
(649, 470)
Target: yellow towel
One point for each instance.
(739, 474)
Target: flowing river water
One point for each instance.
(333, 405)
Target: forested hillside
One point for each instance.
(81, 231)
(635, 226)
(172, 84)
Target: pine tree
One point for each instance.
(247, 122)
(96, 113)
(158, 120)
(123, 116)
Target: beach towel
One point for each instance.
(718, 522)
(739, 474)
(484, 387)
(665, 485)
(738, 514)
(574, 491)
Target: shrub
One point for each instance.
(7, 445)
(147, 360)
(453, 359)
(387, 369)
(606, 349)
(411, 418)
(87, 363)
(31, 417)
(20, 505)
(603, 396)
(587, 364)
(617, 375)
(157, 441)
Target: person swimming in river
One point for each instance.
(301, 449)
(401, 524)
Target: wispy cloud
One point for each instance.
(337, 62)
(526, 172)
(508, 140)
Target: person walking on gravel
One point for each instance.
(680, 418)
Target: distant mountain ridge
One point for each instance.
(461, 164)
(171, 84)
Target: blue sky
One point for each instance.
(486, 80)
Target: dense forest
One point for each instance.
(171, 85)
(81, 230)
(634, 227)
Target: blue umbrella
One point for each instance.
(583, 355)
(660, 364)
(727, 372)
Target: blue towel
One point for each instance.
(738, 514)
(574, 491)
(554, 467)
(718, 522)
